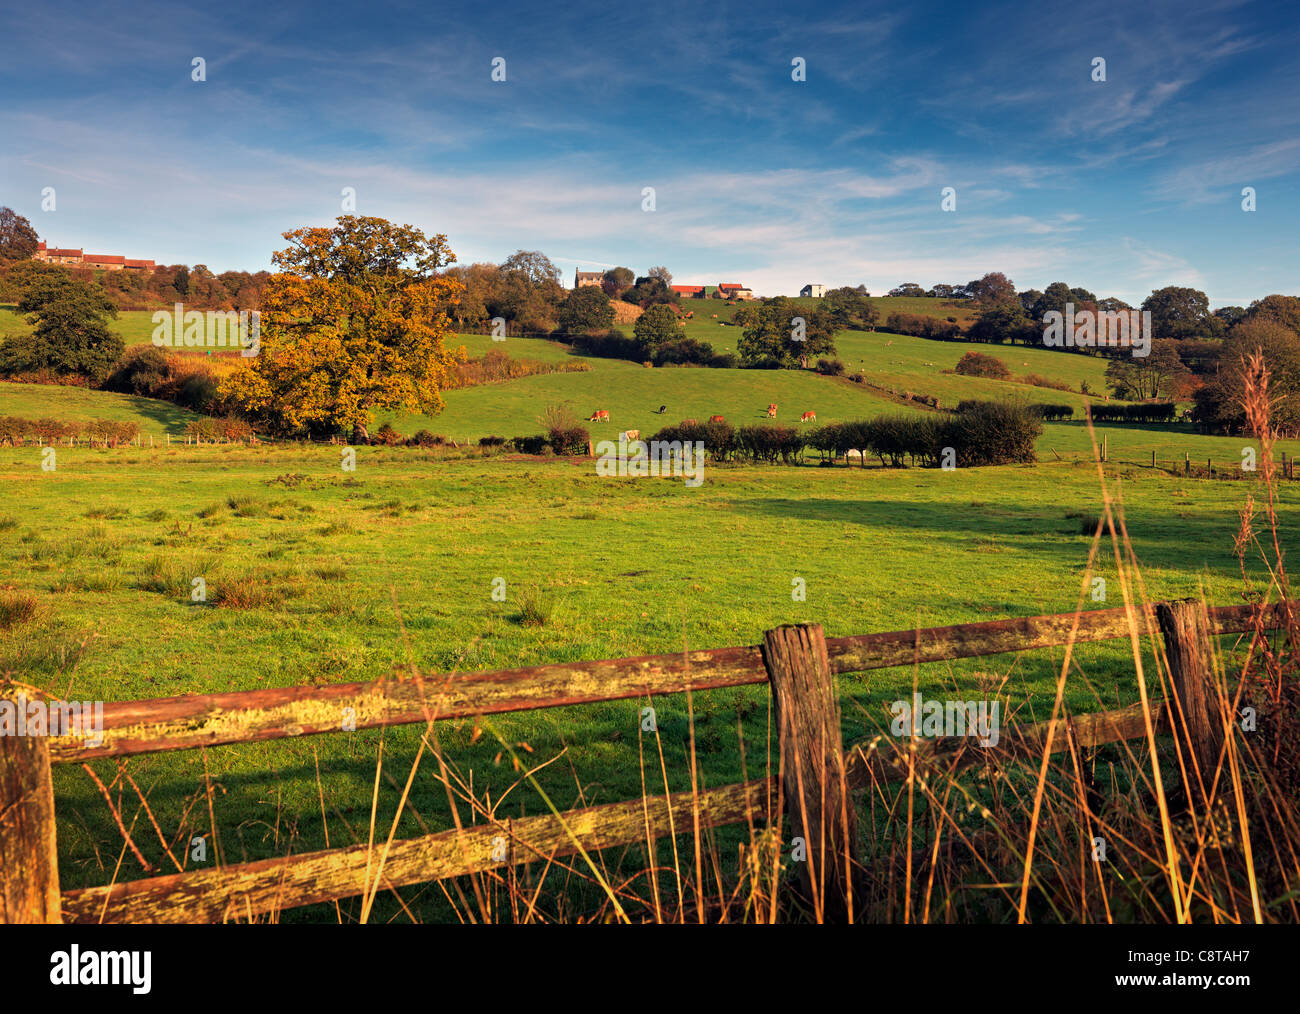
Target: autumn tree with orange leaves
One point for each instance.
(353, 321)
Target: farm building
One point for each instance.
(581, 278)
(76, 258)
(689, 291)
(814, 290)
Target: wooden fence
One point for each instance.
(798, 662)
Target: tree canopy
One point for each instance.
(780, 331)
(354, 321)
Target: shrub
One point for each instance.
(830, 367)
(1142, 412)
(768, 443)
(921, 326)
(683, 351)
(611, 344)
(1051, 413)
(1035, 380)
(490, 442)
(569, 440)
(993, 433)
(719, 438)
(388, 435)
(531, 445)
(423, 438)
(143, 370)
(977, 364)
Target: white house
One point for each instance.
(814, 290)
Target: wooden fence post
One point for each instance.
(29, 869)
(818, 805)
(1185, 625)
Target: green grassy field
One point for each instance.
(315, 575)
(46, 401)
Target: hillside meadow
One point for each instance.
(317, 575)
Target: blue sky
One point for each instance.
(1121, 186)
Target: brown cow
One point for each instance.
(600, 415)
(716, 418)
(771, 410)
(808, 417)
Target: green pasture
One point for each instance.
(315, 575)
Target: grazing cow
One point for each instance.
(600, 415)
(662, 409)
(716, 418)
(771, 410)
(629, 436)
(808, 417)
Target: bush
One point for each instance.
(490, 442)
(1143, 412)
(143, 370)
(719, 438)
(423, 438)
(213, 429)
(830, 367)
(977, 364)
(388, 436)
(1051, 413)
(685, 351)
(1035, 380)
(569, 440)
(993, 433)
(531, 445)
(768, 443)
(611, 344)
(921, 326)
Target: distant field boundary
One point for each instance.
(798, 663)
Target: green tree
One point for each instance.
(1138, 378)
(1285, 310)
(992, 289)
(586, 308)
(781, 330)
(617, 281)
(1054, 298)
(18, 240)
(69, 334)
(850, 308)
(1179, 313)
(656, 327)
(1221, 401)
(1004, 322)
(907, 289)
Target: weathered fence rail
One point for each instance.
(798, 662)
(183, 723)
